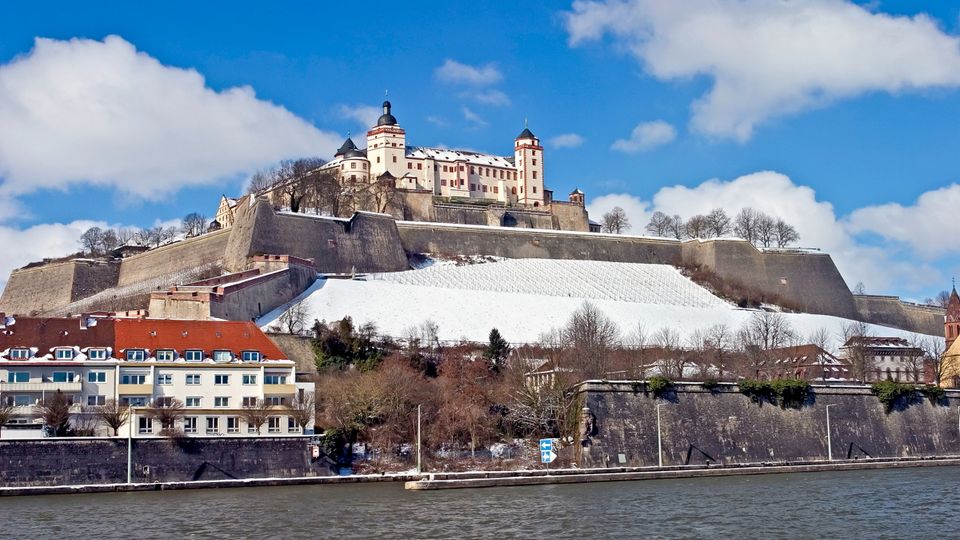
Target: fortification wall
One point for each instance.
(298, 349)
(891, 311)
(729, 428)
(246, 303)
(366, 242)
(569, 216)
(175, 258)
(45, 288)
(53, 462)
(806, 281)
(541, 244)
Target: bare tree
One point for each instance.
(855, 349)
(676, 227)
(114, 414)
(859, 288)
(293, 180)
(719, 222)
(698, 227)
(942, 299)
(85, 422)
(615, 221)
(933, 355)
(785, 233)
(256, 414)
(639, 340)
(6, 413)
(294, 319)
(55, 411)
(92, 241)
(746, 225)
(766, 230)
(110, 240)
(822, 338)
(260, 182)
(672, 360)
(763, 332)
(194, 224)
(167, 411)
(659, 224)
(156, 236)
(590, 335)
(302, 409)
(696, 352)
(125, 235)
(720, 341)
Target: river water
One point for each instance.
(917, 503)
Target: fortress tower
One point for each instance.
(386, 146)
(528, 158)
(951, 322)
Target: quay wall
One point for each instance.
(619, 426)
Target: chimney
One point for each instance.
(6, 320)
(87, 320)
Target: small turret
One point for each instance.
(386, 119)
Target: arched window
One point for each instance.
(513, 191)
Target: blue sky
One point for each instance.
(826, 113)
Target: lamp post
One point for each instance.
(829, 442)
(419, 468)
(659, 440)
(130, 446)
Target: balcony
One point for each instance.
(135, 389)
(67, 387)
(276, 389)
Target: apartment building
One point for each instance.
(215, 368)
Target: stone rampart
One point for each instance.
(173, 259)
(540, 244)
(44, 288)
(51, 462)
(298, 349)
(891, 311)
(724, 426)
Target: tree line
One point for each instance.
(750, 224)
(97, 242)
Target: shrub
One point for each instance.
(932, 392)
(889, 392)
(790, 392)
(755, 390)
(709, 384)
(659, 385)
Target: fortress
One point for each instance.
(259, 255)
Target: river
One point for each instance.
(918, 503)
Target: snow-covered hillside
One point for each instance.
(525, 298)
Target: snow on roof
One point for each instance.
(446, 154)
(468, 302)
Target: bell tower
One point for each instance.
(528, 159)
(386, 146)
(951, 322)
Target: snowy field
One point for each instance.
(525, 298)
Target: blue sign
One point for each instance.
(546, 445)
(547, 455)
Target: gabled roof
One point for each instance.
(46, 334)
(526, 134)
(463, 156)
(179, 335)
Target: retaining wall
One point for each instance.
(174, 258)
(726, 426)
(891, 311)
(50, 462)
(44, 288)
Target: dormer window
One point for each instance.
(136, 355)
(193, 355)
(64, 354)
(165, 355)
(251, 356)
(97, 354)
(222, 356)
(20, 354)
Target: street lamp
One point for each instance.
(829, 445)
(659, 440)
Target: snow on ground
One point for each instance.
(525, 298)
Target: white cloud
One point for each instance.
(492, 97)
(39, 242)
(473, 117)
(880, 268)
(768, 59)
(454, 72)
(86, 111)
(645, 136)
(438, 121)
(364, 114)
(925, 226)
(566, 140)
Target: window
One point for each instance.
(353, 165)
(409, 166)
(233, 424)
(97, 354)
(19, 354)
(63, 376)
(221, 379)
(534, 175)
(534, 161)
(496, 189)
(273, 424)
(145, 424)
(193, 355)
(364, 166)
(378, 159)
(445, 169)
(249, 379)
(292, 425)
(534, 187)
(394, 159)
(443, 181)
(136, 355)
(250, 356)
(193, 379)
(419, 166)
(165, 378)
(249, 402)
(96, 400)
(165, 355)
(275, 400)
(461, 168)
(134, 401)
(97, 376)
(22, 401)
(473, 187)
(353, 178)
(484, 188)
(221, 401)
(64, 354)
(133, 379)
(274, 379)
(192, 401)
(252, 429)
(213, 425)
(513, 191)
(222, 356)
(473, 170)
(189, 424)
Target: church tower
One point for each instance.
(951, 322)
(528, 159)
(387, 146)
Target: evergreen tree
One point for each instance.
(497, 350)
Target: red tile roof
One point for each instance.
(180, 335)
(45, 334)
